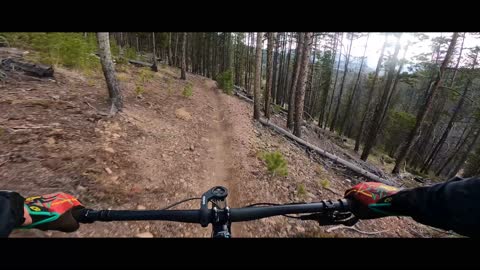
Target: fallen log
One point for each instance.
(140, 63)
(324, 153)
(38, 70)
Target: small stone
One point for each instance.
(109, 150)
(348, 180)
(51, 141)
(183, 114)
(81, 188)
(300, 229)
(192, 147)
(116, 136)
(108, 170)
(144, 235)
(141, 207)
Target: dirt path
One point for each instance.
(220, 169)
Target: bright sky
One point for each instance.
(375, 44)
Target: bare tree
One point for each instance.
(370, 97)
(339, 100)
(296, 69)
(114, 92)
(268, 87)
(354, 90)
(302, 79)
(427, 106)
(183, 75)
(382, 103)
(258, 74)
(154, 66)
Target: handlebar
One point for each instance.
(213, 215)
(326, 212)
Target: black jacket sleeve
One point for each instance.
(452, 205)
(11, 212)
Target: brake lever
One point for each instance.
(333, 218)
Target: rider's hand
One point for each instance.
(371, 200)
(52, 212)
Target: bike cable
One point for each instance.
(182, 201)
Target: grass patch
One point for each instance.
(275, 162)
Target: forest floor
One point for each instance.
(163, 147)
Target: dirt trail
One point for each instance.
(219, 170)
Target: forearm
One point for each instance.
(452, 205)
(11, 212)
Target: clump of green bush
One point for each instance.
(72, 50)
(225, 81)
(188, 90)
(276, 164)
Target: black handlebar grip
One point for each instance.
(82, 215)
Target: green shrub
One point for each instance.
(145, 75)
(130, 53)
(301, 190)
(277, 108)
(325, 183)
(188, 91)
(139, 90)
(275, 162)
(225, 82)
(71, 50)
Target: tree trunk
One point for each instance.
(247, 64)
(287, 69)
(354, 91)
(268, 87)
(461, 142)
(445, 133)
(154, 66)
(183, 74)
(458, 62)
(281, 66)
(175, 54)
(335, 83)
(339, 99)
(309, 86)
(291, 100)
(302, 79)
(382, 103)
(393, 92)
(427, 107)
(258, 78)
(114, 92)
(465, 155)
(326, 87)
(369, 98)
(275, 68)
(138, 45)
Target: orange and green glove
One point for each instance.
(371, 200)
(53, 212)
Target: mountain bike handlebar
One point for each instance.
(326, 212)
(193, 216)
